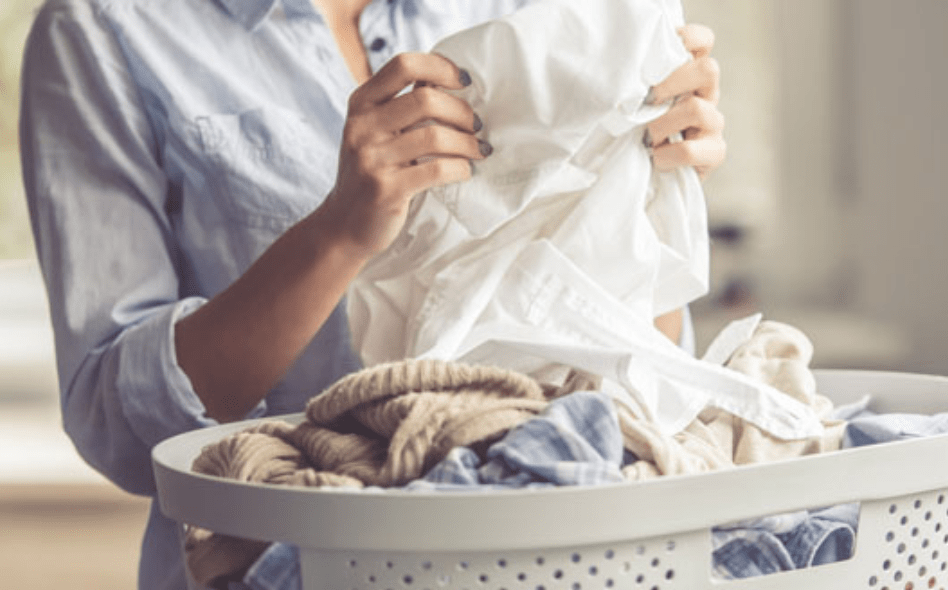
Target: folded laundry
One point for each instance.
(566, 243)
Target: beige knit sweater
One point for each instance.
(383, 426)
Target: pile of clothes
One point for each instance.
(441, 426)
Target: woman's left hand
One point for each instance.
(695, 89)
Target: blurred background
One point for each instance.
(830, 211)
(829, 214)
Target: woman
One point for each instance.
(206, 177)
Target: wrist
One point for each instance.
(329, 235)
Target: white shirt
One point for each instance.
(566, 244)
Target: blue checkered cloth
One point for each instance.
(784, 542)
(576, 440)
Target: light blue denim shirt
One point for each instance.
(165, 145)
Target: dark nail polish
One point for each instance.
(650, 97)
(464, 78)
(478, 124)
(647, 139)
(486, 148)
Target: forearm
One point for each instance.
(236, 347)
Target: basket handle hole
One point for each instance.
(797, 540)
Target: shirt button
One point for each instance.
(378, 44)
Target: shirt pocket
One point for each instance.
(265, 167)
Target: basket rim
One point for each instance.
(390, 520)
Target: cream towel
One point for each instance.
(777, 354)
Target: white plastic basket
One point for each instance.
(654, 535)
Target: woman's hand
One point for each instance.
(389, 153)
(261, 322)
(695, 88)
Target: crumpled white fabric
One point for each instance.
(566, 244)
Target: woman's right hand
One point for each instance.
(387, 156)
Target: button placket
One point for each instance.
(323, 47)
(375, 28)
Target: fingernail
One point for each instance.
(478, 124)
(464, 78)
(647, 138)
(650, 97)
(486, 148)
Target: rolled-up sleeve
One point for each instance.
(99, 201)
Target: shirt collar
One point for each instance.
(434, 6)
(249, 13)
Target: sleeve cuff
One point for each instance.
(157, 396)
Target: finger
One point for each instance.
(704, 171)
(403, 70)
(698, 39)
(699, 76)
(431, 142)
(703, 152)
(425, 104)
(688, 113)
(437, 172)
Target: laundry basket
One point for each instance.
(653, 535)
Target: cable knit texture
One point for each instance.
(383, 426)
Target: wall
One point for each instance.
(15, 239)
(897, 234)
(803, 264)
(848, 234)
(742, 194)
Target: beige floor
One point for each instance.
(80, 536)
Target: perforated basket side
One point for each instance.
(664, 563)
(903, 544)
